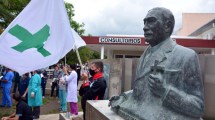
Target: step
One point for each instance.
(62, 116)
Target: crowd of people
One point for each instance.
(29, 89)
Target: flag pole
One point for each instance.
(65, 60)
(79, 59)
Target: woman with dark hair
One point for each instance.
(72, 96)
(55, 80)
(23, 111)
(63, 91)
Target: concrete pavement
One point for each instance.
(49, 117)
(56, 117)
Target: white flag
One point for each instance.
(37, 38)
(79, 42)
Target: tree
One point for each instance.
(85, 53)
(9, 9)
(78, 27)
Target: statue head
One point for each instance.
(158, 25)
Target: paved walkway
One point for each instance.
(49, 117)
(56, 117)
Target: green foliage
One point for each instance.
(9, 9)
(85, 53)
(78, 27)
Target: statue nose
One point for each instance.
(145, 28)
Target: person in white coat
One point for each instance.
(72, 97)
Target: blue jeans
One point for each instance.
(62, 97)
(6, 99)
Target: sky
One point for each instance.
(125, 17)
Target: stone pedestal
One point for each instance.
(99, 110)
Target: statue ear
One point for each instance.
(168, 26)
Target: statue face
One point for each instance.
(154, 28)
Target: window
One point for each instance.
(132, 56)
(118, 56)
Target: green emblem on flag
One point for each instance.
(31, 40)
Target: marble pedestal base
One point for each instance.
(99, 110)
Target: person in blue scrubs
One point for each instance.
(7, 84)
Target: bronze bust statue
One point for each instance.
(168, 82)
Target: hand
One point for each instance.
(157, 85)
(24, 95)
(62, 81)
(84, 76)
(32, 95)
(4, 118)
(115, 101)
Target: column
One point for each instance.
(213, 51)
(102, 52)
(108, 54)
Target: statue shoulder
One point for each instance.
(144, 53)
(184, 50)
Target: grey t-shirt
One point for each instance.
(62, 82)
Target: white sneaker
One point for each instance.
(74, 116)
